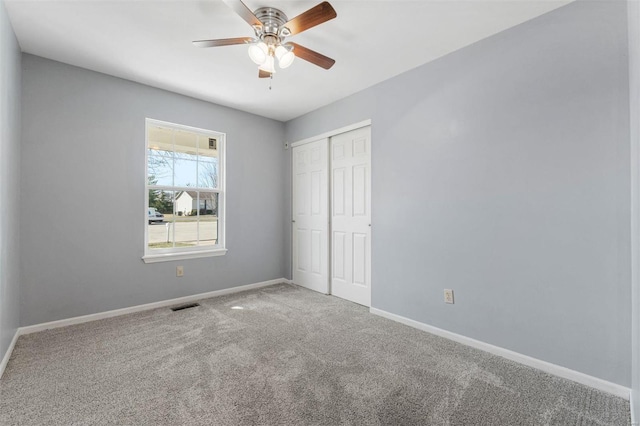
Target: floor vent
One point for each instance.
(187, 306)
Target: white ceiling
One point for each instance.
(149, 41)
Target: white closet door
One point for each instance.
(351, 216)
(310, 216)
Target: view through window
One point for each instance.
(185, 196)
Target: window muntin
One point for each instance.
(185, 185)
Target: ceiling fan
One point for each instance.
(271, 26)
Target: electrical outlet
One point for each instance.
(179, 271)
(448, 296)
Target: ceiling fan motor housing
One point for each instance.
(272, 19)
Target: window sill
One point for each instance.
(166, 257)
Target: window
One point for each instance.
(184, 196)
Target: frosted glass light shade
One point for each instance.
(285, 57)
(268, 66)
(258, 53)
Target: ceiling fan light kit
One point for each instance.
(271, 27)
(258, 53)
(285, 56)
(268, 65)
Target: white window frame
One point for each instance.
(180, 253)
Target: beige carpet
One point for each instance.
(288, 357)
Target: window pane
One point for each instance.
(186, 231)
(186, 142)
(208, 172)
(208, 223)
(160, 138)
(160, 167)
(159, 217)
(186, 219)
(208, 146)
(208, 204)
(186, 171)
(186, 203)
(208, 231)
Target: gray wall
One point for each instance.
(83, 177)
(9, 181)
(634, 109)
(502, 171)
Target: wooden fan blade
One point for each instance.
(222, 42)
(244, 12)
(312, 56)
(263, 74)
(312, 17)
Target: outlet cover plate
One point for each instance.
(448, 296)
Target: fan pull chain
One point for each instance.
(270, 80)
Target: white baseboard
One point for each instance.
(117, 312)
(7, 354)
(547, 367)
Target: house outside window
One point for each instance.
(188, 202)
(184, 196)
